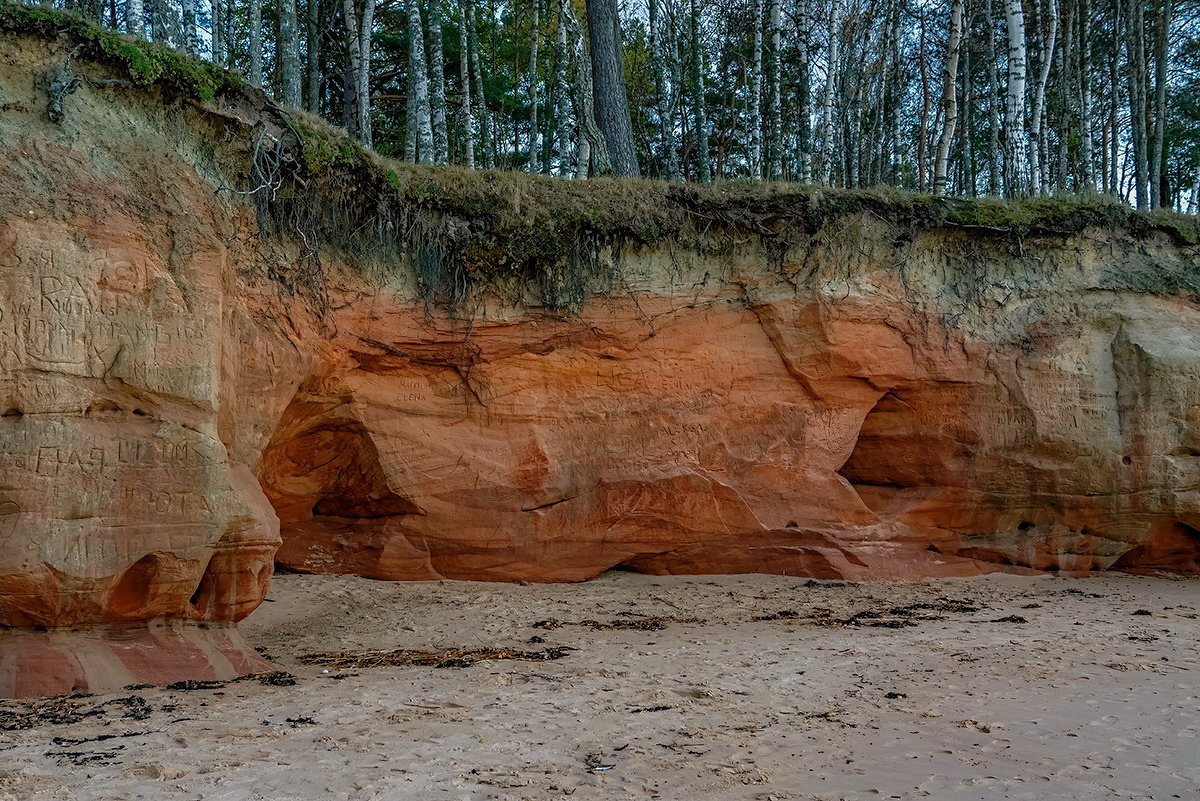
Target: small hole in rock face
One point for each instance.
(1024, 525)
(1126, 460)
(140, 412)
(793, 524)
(13, 413)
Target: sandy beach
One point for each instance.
(730, 687)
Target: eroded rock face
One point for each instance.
(853, 438)
(868, 406)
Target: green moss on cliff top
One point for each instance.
(144, 63)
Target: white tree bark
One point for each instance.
(135, 18)
(756, 94)
(418, 81)
(289, 54)
(256, 43)
(1016, 145)
(535, 37)
(467, 112)
(774, 95)
(831, 68)
(437, 78)
(1037, 154)
(949, 100)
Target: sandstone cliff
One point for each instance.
(225, 329)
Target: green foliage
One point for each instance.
(144, 63)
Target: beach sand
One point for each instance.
(920, 697)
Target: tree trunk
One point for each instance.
(803, 97)
(485, 119)
(1087, 166)
(831, 68)
(288, 53)
(699, 102)
(534, 36)
(756, 93)
(949, 99)
(437, 91)
(611, 102)
(256, 44)
(1016, 162)
(418, 85)
(135, 18)
(1159, 191)
(1037, 123)
(466, 112)
(590, 150)
(313, 29)
(774, 94)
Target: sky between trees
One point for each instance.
(962, 97)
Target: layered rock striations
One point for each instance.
(192, 387)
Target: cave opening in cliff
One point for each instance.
(322, 473)
(891, 452)
(1172, 548)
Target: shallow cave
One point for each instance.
(904, 443)
(323, 475)
(1172, 548)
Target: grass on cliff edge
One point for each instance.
(144, 63)
(512, 217)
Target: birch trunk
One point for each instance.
(756, 93)
(256, 44)
(288, 53)
(466, 111)
(590, 150)
(535, 36)
(1037, 154)
(699, 103)
(437, 93)
(135, 18)
(664, 50)
(1016, 146)
(485, 119)
(949, 100)
(418, 82)
(774, 97)
(831, 67)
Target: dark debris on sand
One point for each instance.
(65, 709)
(450, 658)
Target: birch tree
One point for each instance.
(1016, 162)
(949, 99)
(135, 18)
(418, 86)
(437, 80)
(256, 44)
(466, 109)
(756, 94)
(535, 36)
(288, 47)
